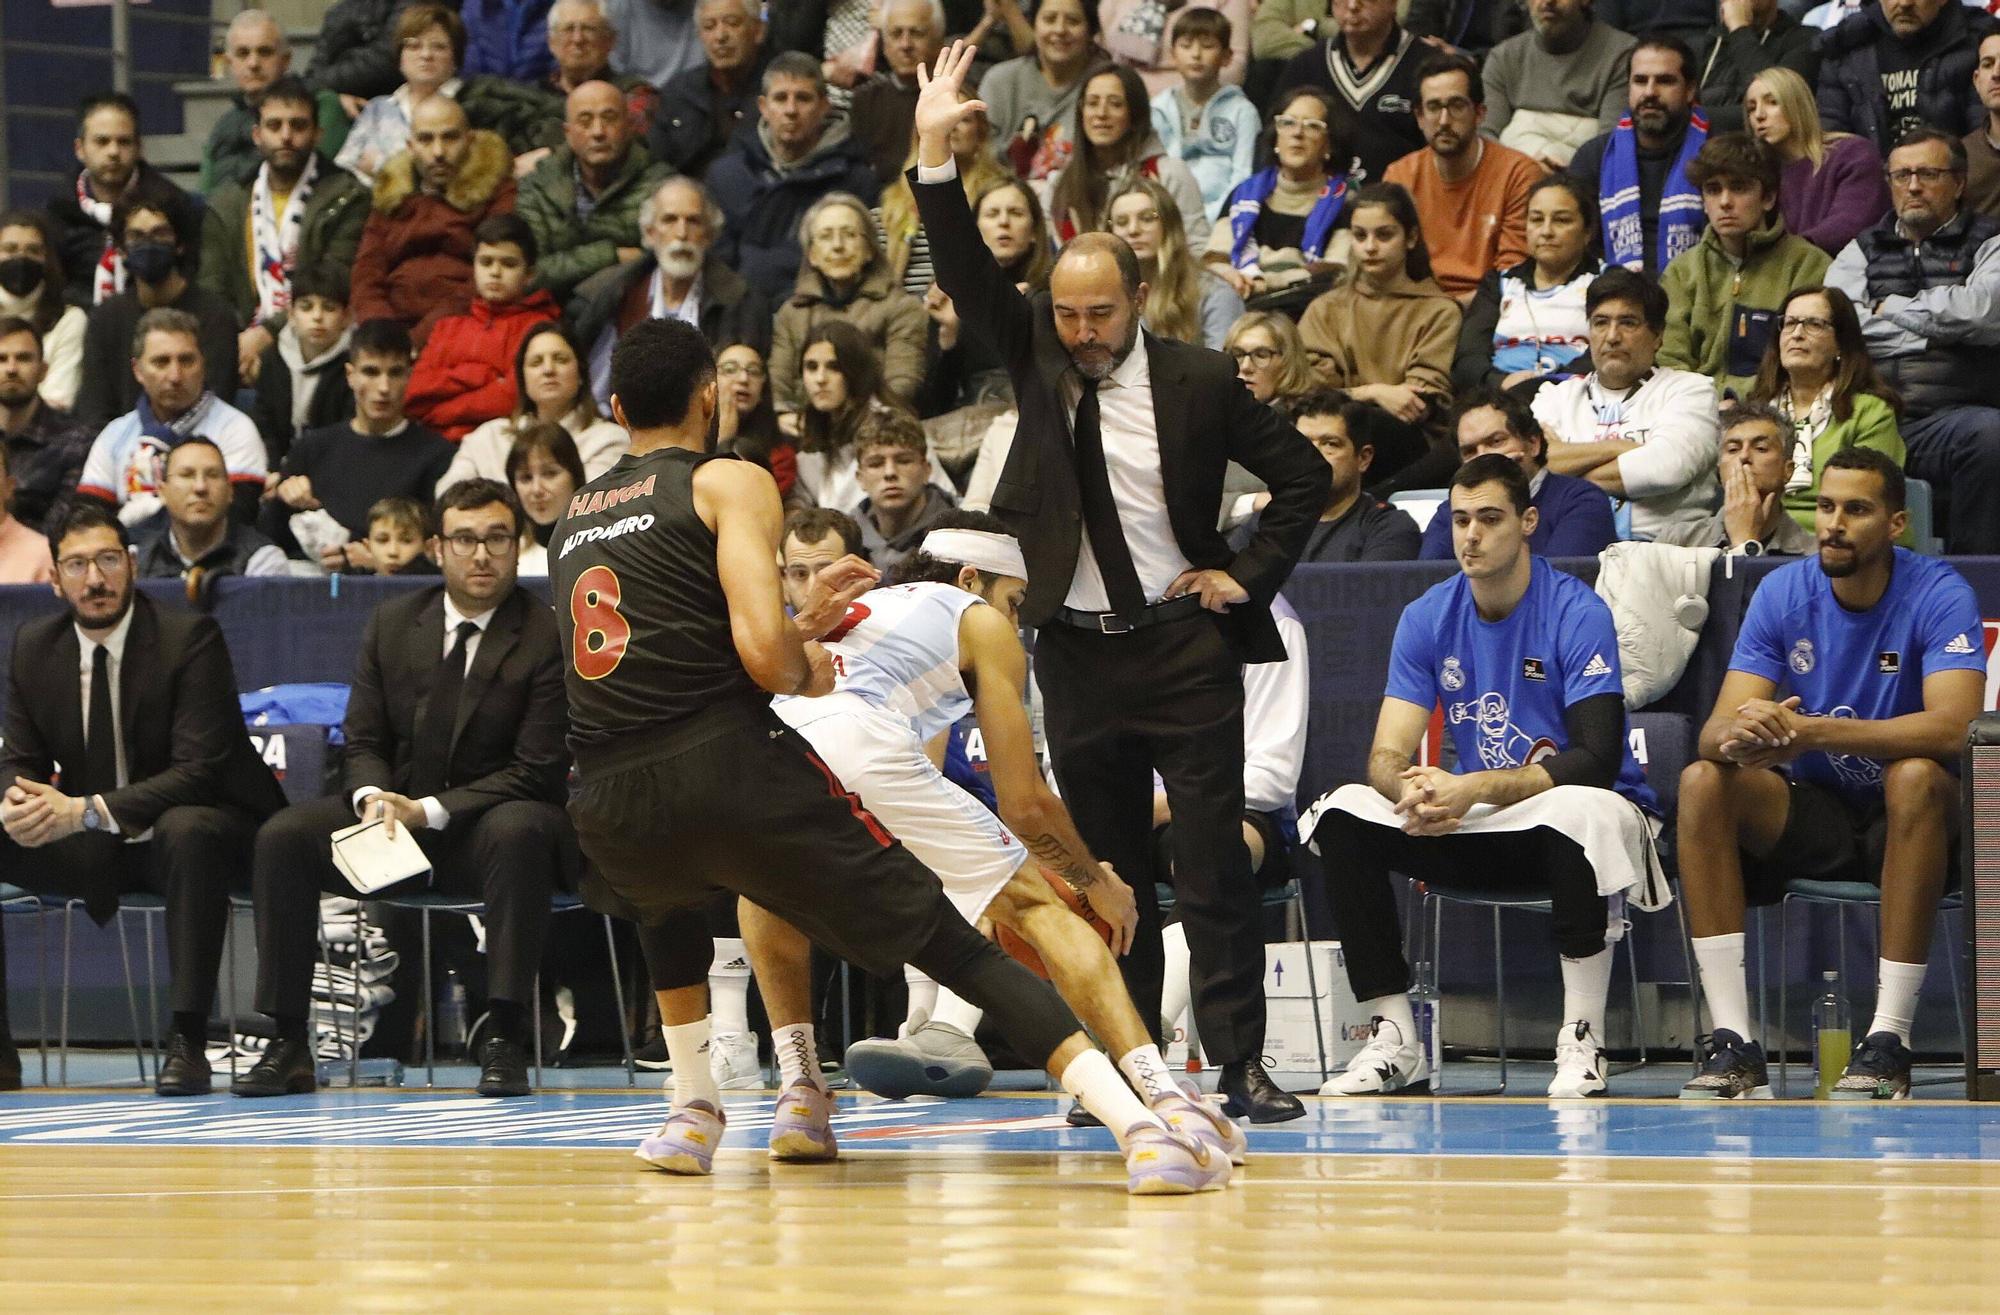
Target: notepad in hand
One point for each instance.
(371, 858)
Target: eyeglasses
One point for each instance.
(1810, 323)
(1457, 105)
(1927, 177)
(1263, 356)
(1624, 323)
(1293, 123)
(107, 563)
(579, 30)
(740, 369)
(417, 45)
(499, 543)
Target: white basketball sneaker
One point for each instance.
(1388, 1064)
(732, 1061)
(1579, 1063)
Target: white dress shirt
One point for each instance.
(1131, 459)
(435, 816)
(114, 644)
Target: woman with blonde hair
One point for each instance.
(1833, 187)
(1270, 359)
(904, 245)
(1184, 301)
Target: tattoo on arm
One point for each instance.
(1054, 855)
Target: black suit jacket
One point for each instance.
(509, 740)
(184, 737)
(1205, 417)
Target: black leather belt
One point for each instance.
(1111, 623)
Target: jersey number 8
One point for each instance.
(601, 632)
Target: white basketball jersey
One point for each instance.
(897, 648)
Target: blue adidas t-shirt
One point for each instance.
(1869, 665)
(1505, 684)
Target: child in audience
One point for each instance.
(1208, 123)
(396, 537)
(302, 381)
(465, 376)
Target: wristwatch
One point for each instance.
(1752, 548)
(92, 819)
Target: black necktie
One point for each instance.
(1100, 511)
(430, 764)
(100, 742)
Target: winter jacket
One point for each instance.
(1223, 150)
(355, 52)
(230, 156)
(329, 236)
(275, 408)
(415, 262)
(572, 247)
(893, 320)
(762, 202)
(695, 121)
(507, 38)
(1850, 79)
(1934, 336)
(1730, 61)
(731, 310)
(1872, 424)
(79, 239)
(1639, 582)
(465, 374)
(1721, 315)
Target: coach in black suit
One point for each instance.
(455, 729)
(159, 786)
(1145, 615)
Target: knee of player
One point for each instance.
(1706, 784)
(1918, 787)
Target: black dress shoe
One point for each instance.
(10, 1065)
(503, 1068)
(184, 1071)
(286, 1068)
(1079, 1117)
(1252, 1095)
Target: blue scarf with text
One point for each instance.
(1680, 213)
(1246, 203)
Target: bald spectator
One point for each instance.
(582, 202)
(258, 55)
(415, 263)
(700, 109)
(884, 108)
(769, 178)
(581, 38)
(679, 277)
(112, 169)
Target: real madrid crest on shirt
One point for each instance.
(1802, 657)
(1453, 675)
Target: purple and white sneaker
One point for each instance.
(1161, 1162)
(1188, 1113)
(802, 1124)
(687, 1141)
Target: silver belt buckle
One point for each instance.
(1110, 623)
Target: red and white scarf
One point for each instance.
(276, 237)
(109, 279)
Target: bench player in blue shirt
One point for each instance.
(1831, 755)
(1546, 799)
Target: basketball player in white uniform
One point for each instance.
(909, 661)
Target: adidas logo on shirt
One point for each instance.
(1597, 666)
(1959, 644)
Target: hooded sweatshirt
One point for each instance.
(1404, 333)
(1722, 312)
(763, 199)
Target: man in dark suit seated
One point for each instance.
(455, 729)
(1146, 615)
(159, 790)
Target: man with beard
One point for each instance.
(1551, 89)
(107, 148)
(1146, 617)
(259, 58)
(1650, 209)
(293, 211)
(1899, 65)
(1471, 193)
(1832, 754)
(160, 787)
(583, 201)
(679, 278)
(45, 447)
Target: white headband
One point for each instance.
(995, 554)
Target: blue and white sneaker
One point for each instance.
(1732, 1069)
(1879, 1070)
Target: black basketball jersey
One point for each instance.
(644, 621)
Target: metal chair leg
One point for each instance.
(1957, 995)
(1638, 1019)
(360, 950)
(62, 1062)
(229, 962)
(153, 993)
(537, 1023)
(430, 1012)
(1500, 998)
(42, 987)
(1784, 1043)
(1694, 979)
(132, 1002)
(618, 986)
(1312, 980)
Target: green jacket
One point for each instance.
(1872, 424)
(1709, 297)
(334, 218)
(522, 112)
(572, 249)
(230, 155)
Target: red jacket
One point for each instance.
(415, 262)
(465, 374)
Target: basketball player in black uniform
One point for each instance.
(673, 620)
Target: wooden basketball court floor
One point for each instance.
(406, 1201)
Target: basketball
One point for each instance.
(1024, 953)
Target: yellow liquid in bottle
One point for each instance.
(1835, 1048)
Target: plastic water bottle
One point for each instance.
(1429, 1038)
(1833, 1037)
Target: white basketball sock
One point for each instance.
(923, 999)
(1175, 993)
(1150, 1077)
(687, 1047)
(1091, 1079)
(1896, 999)
(729, 986)
(1720, 959)
(954, 1010)
(1586, 984)
(1395, 1009)
(798, 1055)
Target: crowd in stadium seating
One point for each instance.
(1670, 263)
